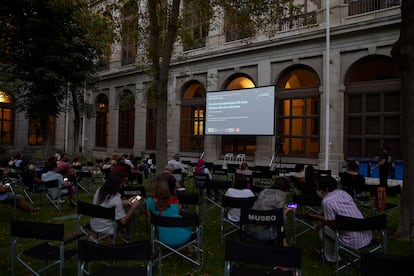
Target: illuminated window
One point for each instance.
(192, 117)
(239, 144)
(298, 113)
(101, 127)
(36, 131)
(126, 120)
(6, 119)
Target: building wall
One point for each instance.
(263, 59)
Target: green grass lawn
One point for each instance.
(214, 249)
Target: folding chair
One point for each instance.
(195, 242)
(268, 220)
(90, 210)
(245, 259)
(228, 226)
(48, 240)
(130, 191)
(53, 193)
(263, 178)
(200, 183)
(376, 224)
(379, 264)
(189, 199)
(84, 180)
(88, 252)
(179, 176)
(301, 223)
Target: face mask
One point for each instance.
(319, 193)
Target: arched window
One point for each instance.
(372, 108)
(126, 120)
(192, 117)
(298, 113)
(101, 125)
(6, 119)
(239, 144)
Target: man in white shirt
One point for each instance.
(179, 169)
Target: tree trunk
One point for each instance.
(403, 52)
(160, 62)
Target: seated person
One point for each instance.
(269, 199)
(244, 174)
(179, 170)
(8, 197)
(108, 196)
(200, 168)
(240, 191)
(64, 167)
(351, 181)
(30, 179)
(173, 184)
(162, 203)
(337, 202)
(298, 176)
(65, 187)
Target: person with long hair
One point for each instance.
(108, 196)
(163, 203)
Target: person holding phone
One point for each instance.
(268, 199)
(108, 196)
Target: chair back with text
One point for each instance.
(267, 220)
(141, 211)
(228, 226)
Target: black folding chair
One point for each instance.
(227, 226)
(88, 211)
(141, 211)
(246, 259)
(38, 241)
(301, 223)
(107, 256)
(272, 221)
(380, 264)
(195, 242)
(377, 224)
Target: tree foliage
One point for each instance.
(47, 49)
